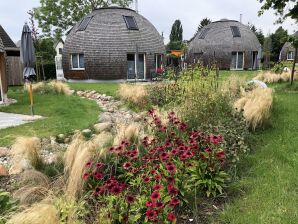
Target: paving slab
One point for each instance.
(12, 120)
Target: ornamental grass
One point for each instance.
(134, 93)
(271, 77)
(256, 106)
(54, 86)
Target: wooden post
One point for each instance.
(31, 99)
(294, 65)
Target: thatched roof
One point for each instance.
(218, 37)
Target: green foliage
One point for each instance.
(45, 50)
(204, 22)
(176, 36)
(56, 17)
(258, 33)
(7, 205)
(279, 38)
(283, 8)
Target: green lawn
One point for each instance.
(223, 74)
(110, 89)
(63, 114)
(269, 175)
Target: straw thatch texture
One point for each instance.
(106, 42)
(219, 43)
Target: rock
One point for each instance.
(100, 127)
(80, 93)
(67, 140)
(3, 152)
(19, 167)
(87, 133)
(3, 171)
(50, 159)
(60, 138)
(105, 117)
(137, 118)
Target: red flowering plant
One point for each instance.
(149, 181)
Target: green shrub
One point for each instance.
(7, 205)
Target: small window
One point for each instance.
(290, 55)
(204, 33)
(77, 61)
(235, 31)
(83, 25)
(131, 23)
(60, 50)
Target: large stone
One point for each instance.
(3, 152)
(105, 117)
(87, 133)
(19, 166)
(3, 171)
(100, 127)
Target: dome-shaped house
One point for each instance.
(227, 43)
(104, 46)
(287, 52)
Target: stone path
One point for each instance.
(11, 120)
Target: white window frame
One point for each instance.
(80, 69)
(237, 57)
(157, 55)
(145, 65)
(292, 54)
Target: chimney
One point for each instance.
(240, 18)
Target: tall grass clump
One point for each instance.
(54, 86)
(256, 106)
(272, 77)
(134, 94)
(29, 149)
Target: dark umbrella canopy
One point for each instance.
(28, 53)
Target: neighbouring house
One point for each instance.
(14, 68)
(228, 44)
(3, 77)
(287, 52)
(112, 44)
(58, 59)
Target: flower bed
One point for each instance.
(150, 181)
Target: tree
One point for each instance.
(294, 41)
(258, 33)
(56, 17)
(204, 22)
(279, 38)
(267, 48)
(283, 8)
(176, 36)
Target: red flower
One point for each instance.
(149, 204)
(99, 165)
(174, 152)
(157, 187)
(164, 156)
(172, 190)
(171, 217)
(146, 179)
(171, 168)
(130, 199)
(170, 180)
(98, 175)
(174, 202)
(155, 196)
(157, 177)
(99, 191)
(86, 176)
(89, 164)
(127, 165)
(116, 190)
(151, 214)
(159, 205)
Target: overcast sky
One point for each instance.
(163, 13)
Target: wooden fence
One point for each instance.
(14, 71)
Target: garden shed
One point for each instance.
(112, 44)
(287, 52)
(14, 67)
(3, 78)
(227, 43)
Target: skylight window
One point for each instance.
(235, 31)
(83, 25)
(131, 23)
(204, 33)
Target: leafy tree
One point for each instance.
(267, 49)
(204, 22)
(176, 36)
(283, 8)
(279, 38)
(55, 17)
(294, 41)
(258, 33)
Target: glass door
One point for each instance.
(131, 66)
(237, 62)
(141, 66)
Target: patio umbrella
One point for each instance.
(28, 59)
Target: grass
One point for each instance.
(247, 74)
(268, 176)
(63, 115)
(109, 89)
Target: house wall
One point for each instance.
(3, 75)
(284, 51)
(59, 45)
(14, 69)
